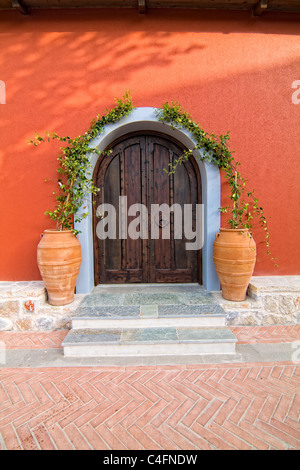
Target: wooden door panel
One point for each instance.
(133, 250)
(112, 252)
(160, 157)
(120, 260)
(135, 169)
(171, 262)
(181, 196)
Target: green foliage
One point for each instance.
(74, 179)
(214, 149)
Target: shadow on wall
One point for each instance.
(74, 58)
(231, 72)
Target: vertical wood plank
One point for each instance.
(111, 195)
(136, 170)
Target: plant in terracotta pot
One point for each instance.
(75, 183)
(59, 250)
(234, 250)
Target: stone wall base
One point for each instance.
(270, 300)
(24, 306)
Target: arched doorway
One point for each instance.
(158, 211)
(145, 119)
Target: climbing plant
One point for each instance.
(213, 148)
(75, 181)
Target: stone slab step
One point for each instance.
(143, 316)
(130, 342)
(119, 298)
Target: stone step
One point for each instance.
(148, 305)
(148, 294)
(150, 320)
(146, 342)
(144, 316)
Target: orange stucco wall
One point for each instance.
(230, 71)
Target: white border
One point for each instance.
(145, 119)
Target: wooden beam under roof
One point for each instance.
(20, 6)
(260, 7)
(256, 6)
(142, 6)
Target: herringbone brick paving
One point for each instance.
(244, 334)
(190, 407)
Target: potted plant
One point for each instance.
(59, 250)
(234, 250)
(75, 183)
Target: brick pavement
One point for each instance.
(184, 407)
(244, 334)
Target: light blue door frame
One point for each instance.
(144, 119)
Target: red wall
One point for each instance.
(230, 71)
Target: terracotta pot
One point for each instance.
(59, 260)
(234, 255)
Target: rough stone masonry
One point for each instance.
(270, 300)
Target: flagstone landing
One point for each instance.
(271, 300)
(146, 320)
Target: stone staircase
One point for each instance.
(147, 320)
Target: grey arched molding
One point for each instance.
(144, 119)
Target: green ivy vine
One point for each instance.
(215, 149)
(74, 179)
(75, 182)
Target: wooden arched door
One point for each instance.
(134, 173)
